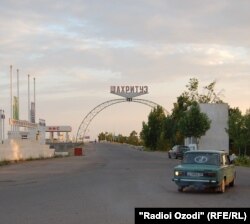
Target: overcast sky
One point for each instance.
(77, 49)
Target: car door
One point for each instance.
(230, 169)
(227, 169)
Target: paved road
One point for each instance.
(104, 186)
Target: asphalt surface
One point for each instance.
(103, 186)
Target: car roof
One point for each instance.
(207, 151)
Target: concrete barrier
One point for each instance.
(61, 153)
(21, 149)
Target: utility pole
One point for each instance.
(34, 100)
(29, 98)
(11, 104)
(2, 117)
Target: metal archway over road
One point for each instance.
(92, 114)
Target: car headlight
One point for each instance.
(178, 173)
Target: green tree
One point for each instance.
(169, 131)
(209, 94)
(121, 138)
(180, 107)
(235, 124)
(110, 137)
(239, 130)
(194, 123)
(247, 132)
(152, 130)
(101, 136)
(190, 96)
(133, 138)
(106, 136)
(144, 134)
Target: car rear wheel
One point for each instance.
(222, 187)
(231, 184)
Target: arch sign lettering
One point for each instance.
(129, 92)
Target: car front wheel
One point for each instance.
(180, 189)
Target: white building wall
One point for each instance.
(216, 137)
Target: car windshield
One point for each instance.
(201, 158)
(183, 149)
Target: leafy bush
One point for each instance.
(4, 162)
(242, 161)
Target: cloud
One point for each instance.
(77, 49)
